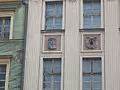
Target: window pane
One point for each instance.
(1, 21)
(47, 77)
(57, 78)
(57, 66)
(97, 66)
(97, 78)
(86, 85)
(87, 7)
(86, 66)
(1, 25)
(59, 9)
(4, 27)
(7, 21)
(49, 9)
(97, 82)
(2, 83)
(2, 88)
(58, 23)
(47, 86)
(87, 22)
(49, 23)
(86, 78)
(97, 7)
(56, 86)
(7, 24)
(2, 68)
(2, 76)
(47, 66)
(96, 21)
(97, 86)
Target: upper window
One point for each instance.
(92, 74)
(92, 13)
(53, 15)
(51, 74)
(2, 76)
(5, 27)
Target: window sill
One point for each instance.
(91, 29)
(10, 40)
(52, 31)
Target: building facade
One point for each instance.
(73, 45)
(12, 33)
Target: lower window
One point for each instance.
(5, 27)
(51, 74)
(92, 74)
(3, 68)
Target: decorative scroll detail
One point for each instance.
(52, 43)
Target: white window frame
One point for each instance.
(41, 73)
(11, 15)
(44, 9)
(82, 17)
(7, 62)
(103, 70)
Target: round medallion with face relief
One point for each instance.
(52, 43)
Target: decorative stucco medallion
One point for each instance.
(91, 41)
(52, 43)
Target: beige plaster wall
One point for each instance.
(112, 45)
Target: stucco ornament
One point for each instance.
(91, 42)
(52, 43)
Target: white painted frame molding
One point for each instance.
(103, 70)
(9, 14)
(44, 9)
(41, 72)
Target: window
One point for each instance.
(4, 73)
(92, 13)
(53, 15)
(51, 74)
(2, 76)
(92, 74)
(4, 27)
